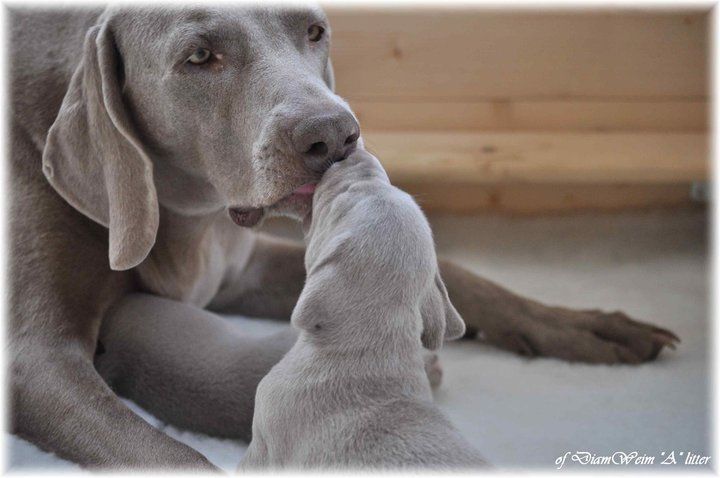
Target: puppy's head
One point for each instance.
(370, 249)
(360, 171)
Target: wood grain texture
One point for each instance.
(477, 54)
(526, 112)
(529, 115)
(505, 158)
(534, 199)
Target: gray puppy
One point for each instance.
(352, 392)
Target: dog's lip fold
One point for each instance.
(251, 216)
(246, 217)
(306, 189)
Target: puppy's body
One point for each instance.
(352, 392)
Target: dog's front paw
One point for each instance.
(591, 336)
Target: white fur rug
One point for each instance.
(527, 413)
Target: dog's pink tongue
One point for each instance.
(246, 217)
(306, 189)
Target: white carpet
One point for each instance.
(526, 413)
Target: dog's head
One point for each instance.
(370, 256)
(197, 110)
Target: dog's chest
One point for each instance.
(189, 272)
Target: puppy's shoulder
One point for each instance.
(413, 434)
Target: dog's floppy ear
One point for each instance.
(309, 310)
(321, 298)
(329, 75)
(440, 320)
(94, 159)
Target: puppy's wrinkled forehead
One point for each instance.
(343, 186)
(374, 233)
(359, 167)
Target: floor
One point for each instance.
(526, 413)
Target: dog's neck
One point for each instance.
(179, 261)
(384, 347)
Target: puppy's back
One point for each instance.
(411, 434)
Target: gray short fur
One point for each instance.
(123, 163)
(352, 391)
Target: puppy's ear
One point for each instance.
(329, 75)
(309, 310)
(440, 319)
(93, 157)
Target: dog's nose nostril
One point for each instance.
(325, 138)
(352, 138)
(317, 149)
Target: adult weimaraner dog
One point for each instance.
(135, 134)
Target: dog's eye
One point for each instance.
(200, 56)
(315, 33)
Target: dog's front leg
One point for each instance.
(269, 284)
(530, 328)
(59, 286)
(60, 403)
(186, 365)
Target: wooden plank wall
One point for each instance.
(522, 111)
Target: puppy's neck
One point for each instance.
(385, 336)
(365, 366)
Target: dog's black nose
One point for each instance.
(324, 139)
